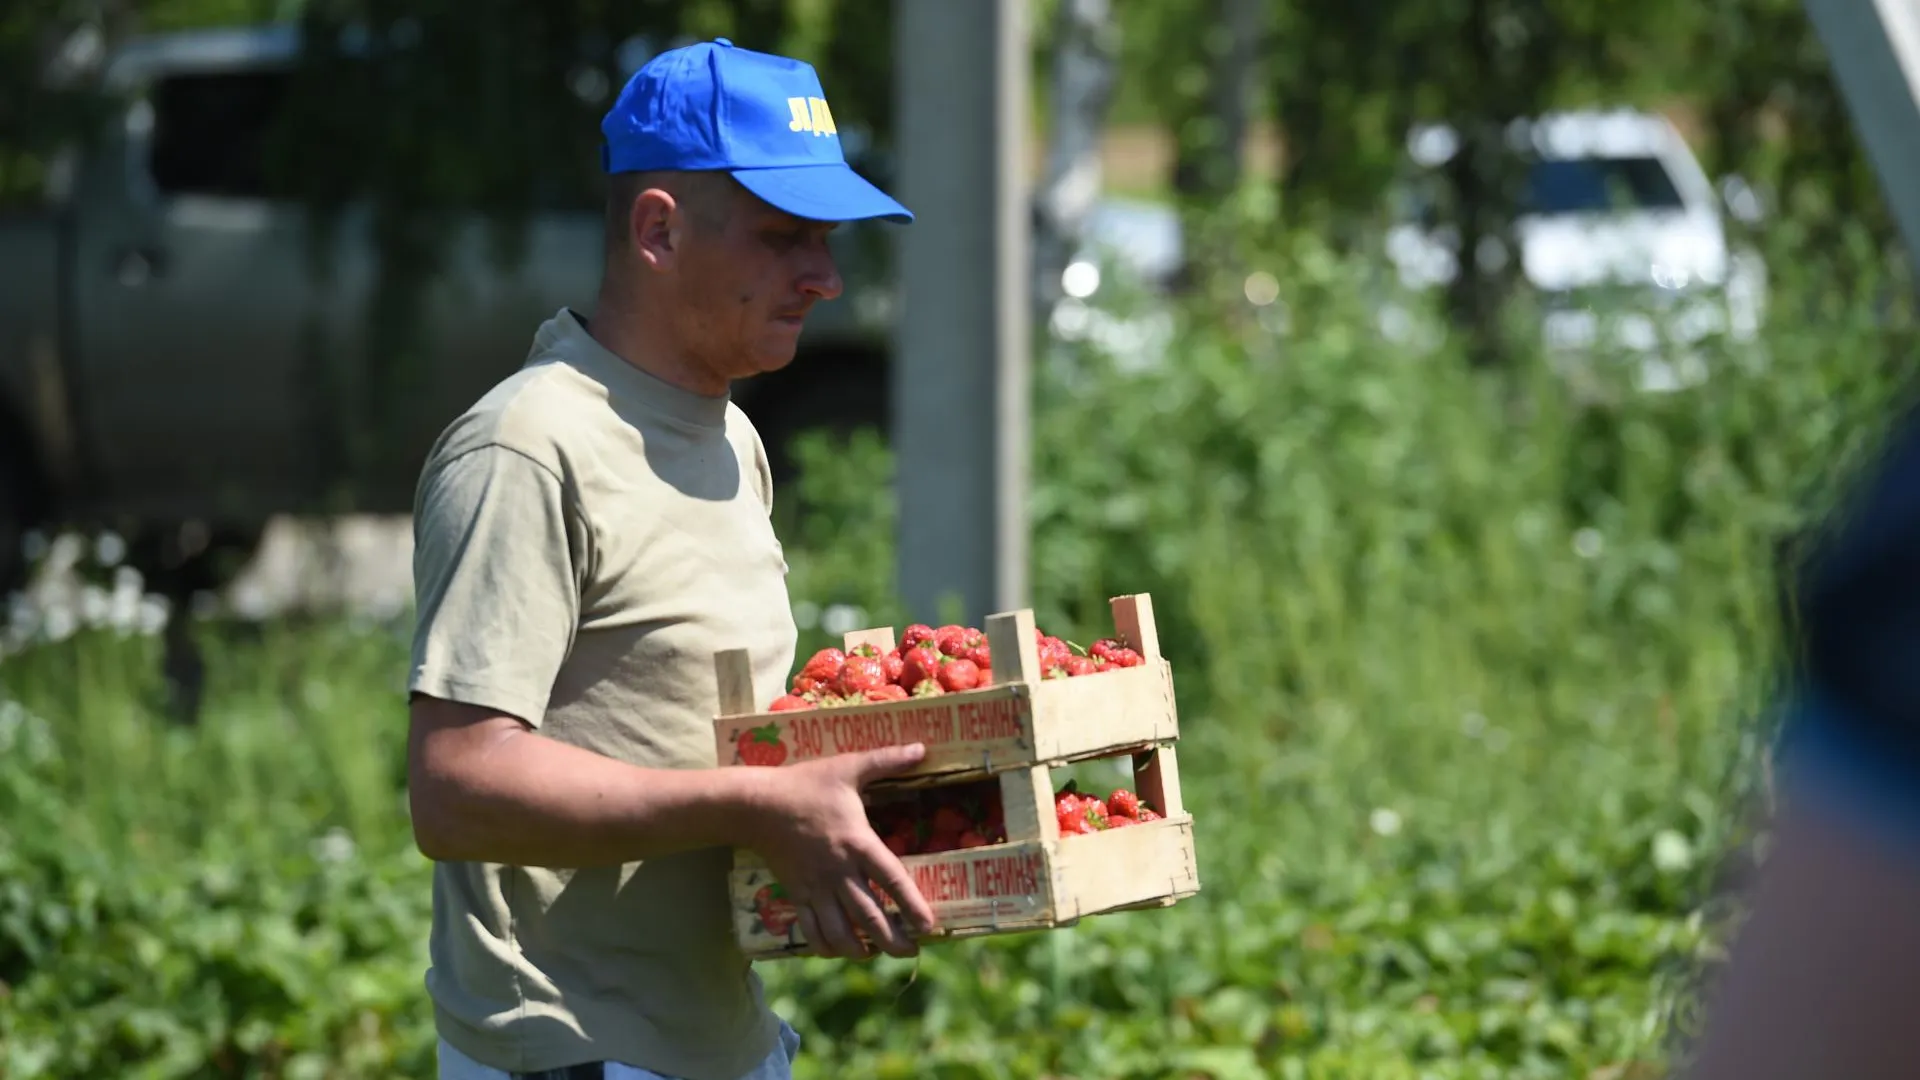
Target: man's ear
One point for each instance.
(657, 228)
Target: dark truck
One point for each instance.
(175, 366)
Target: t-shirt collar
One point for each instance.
(566, 334)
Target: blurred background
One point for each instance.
(1459, 377)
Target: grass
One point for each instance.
(1472, 675)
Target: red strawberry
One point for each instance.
(981, 655)
(958, 675)
(949, 821)
(1053, 654)
(972, 839)
(889, 692)
(859, 675)
(917, 634)
(1073, 824)
(1124, 803)
(1125, 658)
(824, 666)
(804, 685)
(1118, 822)
(1147, 813)
(895, 664)
(1080, 665)
(920, 664)
(761, 746)
(899, 839)
(788, 702)
(777, 913)
(1104, 647)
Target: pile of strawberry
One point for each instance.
(929, 661)
(932, 820)
(1089, 813)
(958, 816)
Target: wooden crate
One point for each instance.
(1013, 887)
(1019, 720)
(1014, 732)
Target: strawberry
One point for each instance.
(920, 664)
(981, 655)
(972, 839)
(788, 702)
(958, 641)
(807, 685)
(950, 821)
(1053, 654)
(859, 675)
(761, 746)
(1124, 803)
(917, 634)
(889, 692)
(1147, 814)
(1117, 822)
(958, 675)
(896, 665)
(1104, 647)
(1080, 665)
(824, 666)
(899, 840)
(1125, 658)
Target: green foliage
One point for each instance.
(1472, 668)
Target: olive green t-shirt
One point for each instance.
(586, 538)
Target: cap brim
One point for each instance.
(830, 192)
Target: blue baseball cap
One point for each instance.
(761, 118)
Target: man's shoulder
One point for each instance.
(539, 412)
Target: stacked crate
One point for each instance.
(1013, 731)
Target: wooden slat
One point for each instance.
(733, 670)
(880, 637)
(1156, 778)
(1016, 649)
(1133, 620)
(1026, 801)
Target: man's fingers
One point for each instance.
(886, 761)
(836, 932)
(884, 867)
(810, 929)
(866, 911)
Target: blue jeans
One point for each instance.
(455, 1065)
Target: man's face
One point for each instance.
(745, 281)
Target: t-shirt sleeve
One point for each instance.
(496, 546)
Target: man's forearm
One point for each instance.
(505, 794)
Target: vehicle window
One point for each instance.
(1599, 185)
(210, 132)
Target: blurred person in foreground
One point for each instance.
(1824, 978)
(588, 534)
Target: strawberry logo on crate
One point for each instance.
(774, 910)
(761, 746)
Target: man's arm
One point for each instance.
(486, 787)
(501, 556)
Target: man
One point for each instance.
(588, 535)
(1826, 969)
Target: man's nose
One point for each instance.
(822, 275)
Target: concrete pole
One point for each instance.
(961, 396)
(1874, 46)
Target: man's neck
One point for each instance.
(623, 331)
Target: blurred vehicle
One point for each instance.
(1620, 232)
(179, 363)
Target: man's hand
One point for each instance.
(814, 833)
